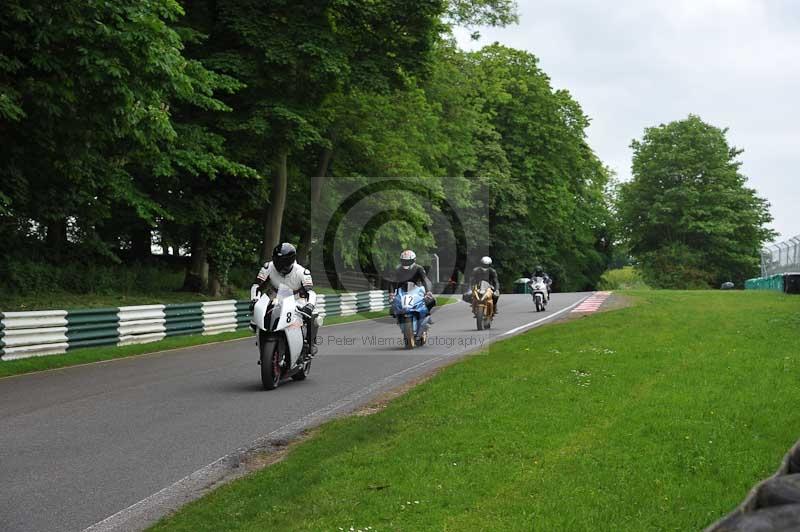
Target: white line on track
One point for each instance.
(150, 509)
(551, 316)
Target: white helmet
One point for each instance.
(407, 258)
(486, 261)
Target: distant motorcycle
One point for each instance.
(483, 305)
(282, 346)
(412, 314)
(539, 291)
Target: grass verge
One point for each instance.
(68, 300)
(65, 300)
(659, 416)
(98, 354)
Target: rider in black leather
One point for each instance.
(410, 271)
(415, 274)
(485, 272)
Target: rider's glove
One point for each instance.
(307, 309)
(252, 305)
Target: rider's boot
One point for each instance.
(311, 336)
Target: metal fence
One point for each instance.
(783, 257)
(53, 332)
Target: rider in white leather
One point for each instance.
(283, 269)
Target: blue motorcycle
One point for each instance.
(412, 314)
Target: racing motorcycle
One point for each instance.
(483, 305)
(540, 293)
(413, 316)
(281, 331)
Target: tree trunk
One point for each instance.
(141, 240)
(274, 215)
(197, 275)
(57, 236)
(317, 182)
(163, 240)
(215, 286)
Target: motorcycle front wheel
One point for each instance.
(479, 318)
(270, 355)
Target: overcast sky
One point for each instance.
(638, 63)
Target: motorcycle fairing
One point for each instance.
(410, 303)
(280, 314)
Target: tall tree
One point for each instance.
(689, 216)
(549, 201)
(86, 97)
(291, 56)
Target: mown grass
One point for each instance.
(659, 416)
(99, 354)
(67, 300)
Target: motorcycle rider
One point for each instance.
(485, 272)
(410, 272)
(539, 272)
(284, 269)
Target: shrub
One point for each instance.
(626, 278)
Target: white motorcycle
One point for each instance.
(539, 292)
(281, 332)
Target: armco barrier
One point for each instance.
(50, 332)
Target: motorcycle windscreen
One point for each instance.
(404, 297)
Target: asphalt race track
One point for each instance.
(80, 444)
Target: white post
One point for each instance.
(435, 260)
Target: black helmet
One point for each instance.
(283, 257)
